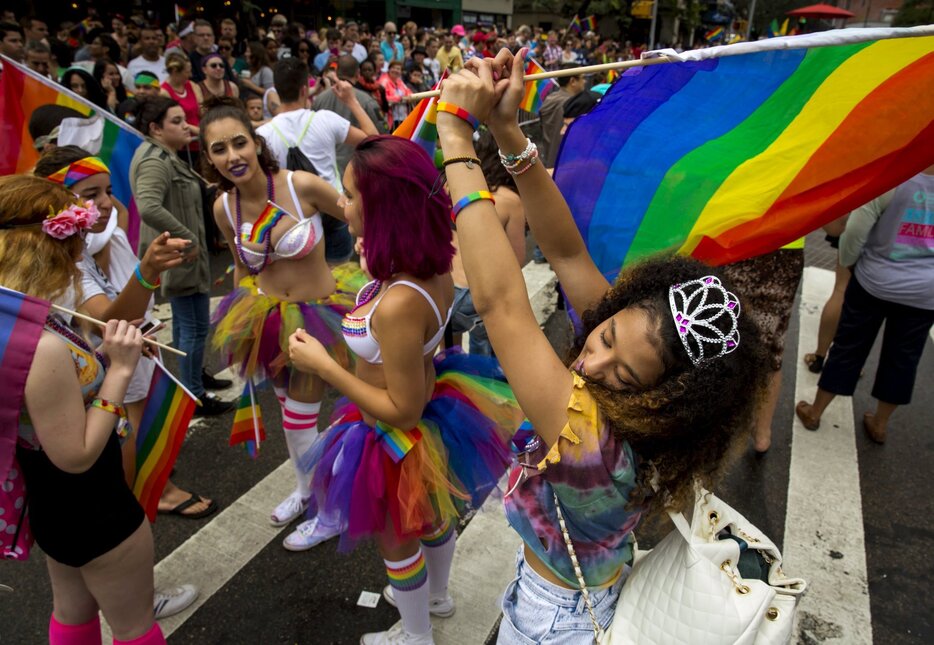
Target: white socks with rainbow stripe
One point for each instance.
(409, 580)
(300, 424)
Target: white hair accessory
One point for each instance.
(696, 308)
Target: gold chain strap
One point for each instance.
(597, 630)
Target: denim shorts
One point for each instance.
(538, 611)
(464, 318)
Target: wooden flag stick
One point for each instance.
(103, 324)
(574, 71)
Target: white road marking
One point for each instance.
(824, 532)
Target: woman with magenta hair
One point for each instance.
(421, 436)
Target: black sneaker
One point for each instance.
(211, 406)
(214, 383)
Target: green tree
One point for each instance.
(915, 12)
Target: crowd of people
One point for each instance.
(348, 276)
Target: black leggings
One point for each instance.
(906, 331)
(78, 517)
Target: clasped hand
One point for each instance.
(306, 352)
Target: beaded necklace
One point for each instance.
(356, 325)
(270, 196)
(69, 333)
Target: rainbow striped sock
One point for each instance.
(409, 574)
(440, 536)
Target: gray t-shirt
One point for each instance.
(897, 258)
(329, 101)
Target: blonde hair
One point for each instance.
(176, 62)
(30, 260)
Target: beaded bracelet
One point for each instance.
(144, 282)
(515, 171)
(511, 160)
(459, 112)
(466, 200)
(469, 161)
(108, 406)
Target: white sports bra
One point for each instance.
(295, 243)
(359, 336)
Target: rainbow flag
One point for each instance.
(22, 318)
(575, 24)
(264, 224)
(103, 135)
(169, 408)
(421, 125)
(589, 23)
(180, 12)
(248, 426)
(535, 91)
(397, 442)
(779, 142)
(713, 34)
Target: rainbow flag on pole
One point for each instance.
(589, 23)
(169, 408)
(22, 318)
(575, 24)
(103, 134)
(535, 91)
(248, 426)
(421, 125)
(713, 34)
(740, 150)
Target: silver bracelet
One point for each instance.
(511, 160)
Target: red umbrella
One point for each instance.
(821, 11)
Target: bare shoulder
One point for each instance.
(52, 354)
(220, 214)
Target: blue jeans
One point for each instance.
(464, 318)
(538, 611)
(191, 320)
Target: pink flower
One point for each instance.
(70, 220)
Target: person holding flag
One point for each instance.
(67, 443)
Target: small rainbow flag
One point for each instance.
(792, 138)
(535, 91)
(589, 23)
(713, 34)
(180, 12)
(397, 442)
(22, 318)
(575, 24)
(169, 408)
(264, 224)
(248, 426)
(420, 126)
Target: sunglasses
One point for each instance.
(215, 66)
(390, 33)
(224, 48)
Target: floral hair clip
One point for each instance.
(68, 221)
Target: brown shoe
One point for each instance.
(873, 431)
(803, 410)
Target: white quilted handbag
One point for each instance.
(688, 588)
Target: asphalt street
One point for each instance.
(272, 596)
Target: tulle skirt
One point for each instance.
(401, 484)
(252, 329)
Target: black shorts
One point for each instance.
(78, 517)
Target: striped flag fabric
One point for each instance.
(22, 318)
(101, 134)
(713, 34)
(421, 125)
(168, 411)
(784, 135)
(535, 91)
(589, 23)
(575, 24)
(248, 426)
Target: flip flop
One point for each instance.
(807, 423)
(815, 362)
(188, 503)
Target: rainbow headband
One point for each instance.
(79, 170)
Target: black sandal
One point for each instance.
(816, 364)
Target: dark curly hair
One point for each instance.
(227, 107)
(689, 425)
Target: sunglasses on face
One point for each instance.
(213, 66)
(224, 48)
(390, 33)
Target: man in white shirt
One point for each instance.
(317, 135)
(352, 31)
(150, 58)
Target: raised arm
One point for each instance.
(540, 380)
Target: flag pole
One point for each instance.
(177, 382)
(574, 71)
(253, 414)
(103, 324)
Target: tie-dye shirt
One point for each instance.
(592, 472)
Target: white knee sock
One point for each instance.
(410, 591)
(300, 423)
(439, 554)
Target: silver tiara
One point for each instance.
(697, 307)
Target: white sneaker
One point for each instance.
(308, 534)
(290, 508)
(396, 635)
(443, 608)
(169, 602)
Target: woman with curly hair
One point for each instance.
(647, 398)
(271, 219)
(68, 436)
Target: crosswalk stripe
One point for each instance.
(824, 532)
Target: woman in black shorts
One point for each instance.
(83, 515)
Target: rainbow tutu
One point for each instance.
(252, 329)
(403, 483)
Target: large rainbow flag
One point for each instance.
(103, 134)
(169, 408)
(22, 318)
(741, 149)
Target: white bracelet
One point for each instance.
(511, 160)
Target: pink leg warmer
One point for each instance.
(87, 634)
(152, 637)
